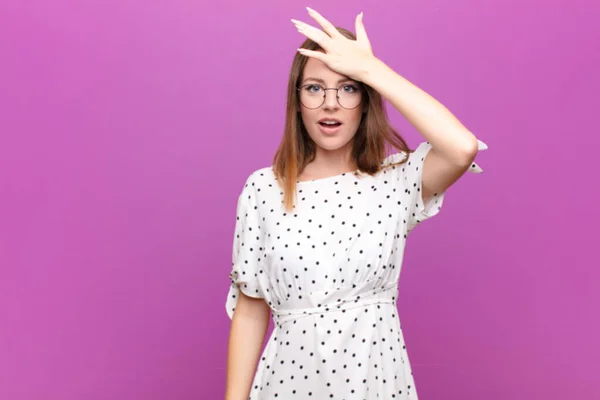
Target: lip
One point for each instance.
(329, 130)
(329, 119)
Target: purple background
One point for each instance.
(129, 127)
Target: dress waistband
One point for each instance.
(336, 300)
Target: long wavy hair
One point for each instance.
(297, 149)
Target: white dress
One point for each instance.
(329, 271)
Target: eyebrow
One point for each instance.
(323, 82)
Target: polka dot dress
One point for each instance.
(329, 271)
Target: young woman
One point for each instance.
(320, 235)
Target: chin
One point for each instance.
(332, 144)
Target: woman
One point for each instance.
(319, 237)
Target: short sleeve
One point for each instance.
(419, 210)
(247, 250)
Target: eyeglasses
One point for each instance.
(312, 95)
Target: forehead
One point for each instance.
(318, 69)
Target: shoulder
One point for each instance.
(394, 158)
(260, 177)
(259, 181)
(403, 157)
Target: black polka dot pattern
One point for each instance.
(329, 270)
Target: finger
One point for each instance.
(325, 24)
(312, 53)
(361, 33)
(314, 34)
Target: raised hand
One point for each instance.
(345, 56)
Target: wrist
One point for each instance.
(372, 68)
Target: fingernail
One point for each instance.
(309, 9)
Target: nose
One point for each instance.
(331, 101)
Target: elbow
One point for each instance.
(469, 151)
(462, 155)
(462, 152)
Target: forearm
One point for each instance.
(447, 135)
(247, 333)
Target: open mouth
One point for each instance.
(329, 126)
(329, 123)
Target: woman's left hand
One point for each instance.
(347, 57)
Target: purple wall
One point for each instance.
(128, 127)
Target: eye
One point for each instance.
(349, 88)
(313, 88)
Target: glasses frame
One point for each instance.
(337, 95)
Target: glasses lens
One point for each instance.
(312, 96)
(349, 96)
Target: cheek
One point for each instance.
(308, 116)
(309, 119)
(354, 118)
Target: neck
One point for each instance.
(336, 161)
